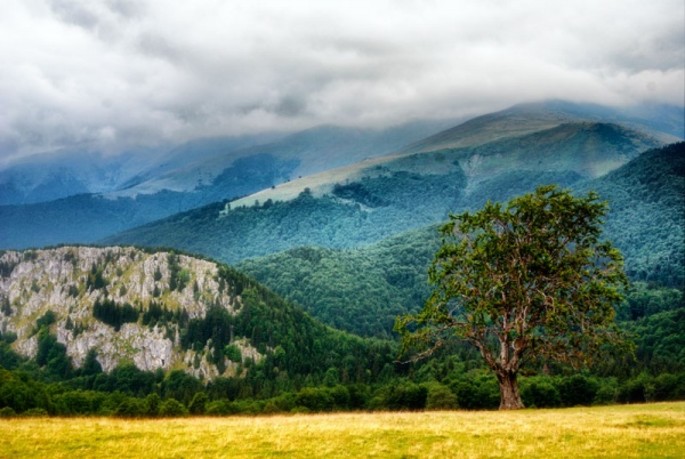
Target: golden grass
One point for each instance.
(654, 430)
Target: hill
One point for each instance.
(76, 307)
(647, 214)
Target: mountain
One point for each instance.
(191, 175)
(49, 176)
(199, 165)
(363, 289)
(162, 310)
(382, 197)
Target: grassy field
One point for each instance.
(654, 430)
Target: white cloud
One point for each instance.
(113, 72)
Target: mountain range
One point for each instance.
(346, 244)
(77, 196)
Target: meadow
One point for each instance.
(650, 430)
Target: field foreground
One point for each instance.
(653, 430)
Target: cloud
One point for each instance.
(105, 74)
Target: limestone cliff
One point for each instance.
(126, 304)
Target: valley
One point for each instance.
(151, 322)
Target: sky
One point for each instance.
(111, 74)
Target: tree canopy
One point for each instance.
(521, 281)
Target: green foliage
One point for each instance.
(46, 320)
(401, 395)
(232, 353)
(540, 392)
(646, 221)
(358, 290)
(114, 314)
(578, 390)
(95, 279)
(172, 408)
(660, 340)
(440, 397)
(527, 279)
(198, 404)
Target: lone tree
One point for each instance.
(522, 281)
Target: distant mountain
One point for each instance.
(50, 176)
(162, 310)
(663, 121)
(195, 174)
(200, 165)
(363, 289)
(393, 194)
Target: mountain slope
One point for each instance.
(646, 221)
(161, 310)
(192, 175)
(363, 289)
(647, 214)
(399, 194)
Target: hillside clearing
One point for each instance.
(652, 430)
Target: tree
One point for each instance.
(523, 281)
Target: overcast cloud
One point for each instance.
(110, 73)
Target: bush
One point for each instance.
(607, 392)
(634, 389)
(477, 390)
(664, 387)
(440, 397)
(577, 390)
(315, 399)
(198, 403)
(35, 413)
(221, 408)
(131, 408)
(401, 396)
(172, 408)
(540, 392)
(152, 404)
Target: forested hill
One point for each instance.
(75, 308)
(363, 289)
(647, 214)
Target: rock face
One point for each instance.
(88, 292)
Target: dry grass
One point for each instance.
(656, 430)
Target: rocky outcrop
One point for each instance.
(67, 283)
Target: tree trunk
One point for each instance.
(510, 398)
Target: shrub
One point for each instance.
(477, 390)
(540, 393)
(440, 397)
(172, 408)
(131, 407)
(315, 399)
(577, 390)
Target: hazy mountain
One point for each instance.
(50, 176)
(394, 194)
(195, 174)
